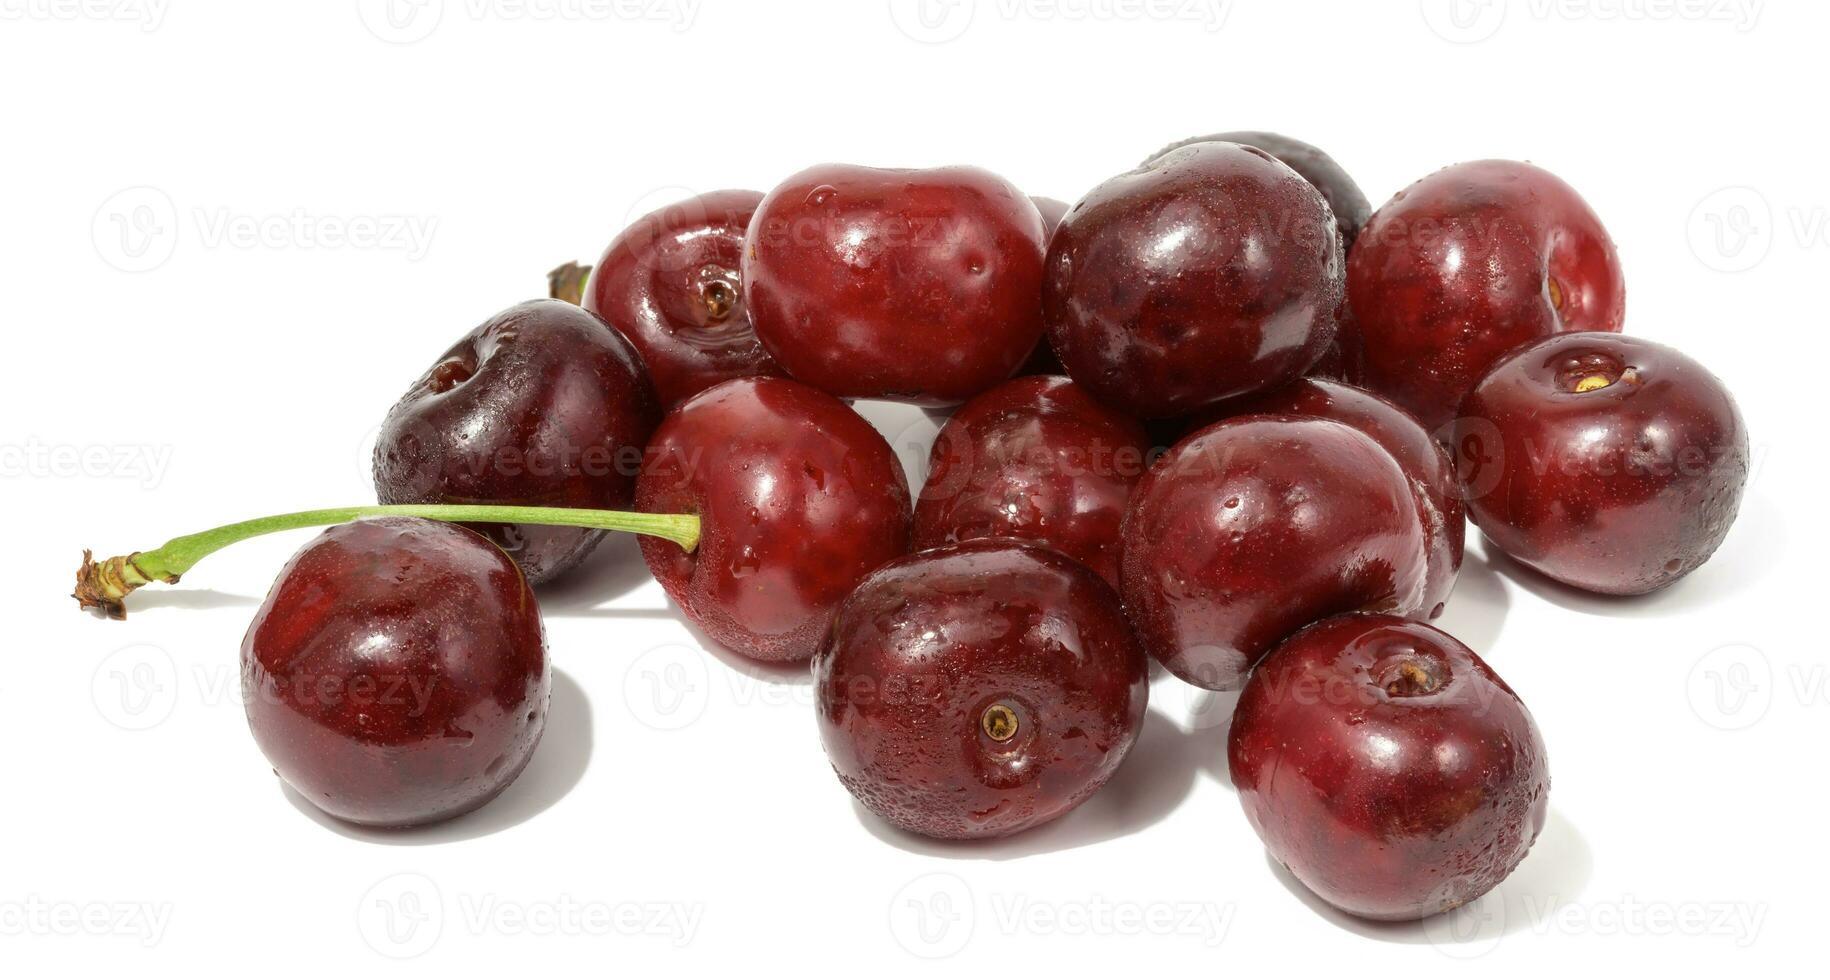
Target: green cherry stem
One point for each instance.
(102, 585)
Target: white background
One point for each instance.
(232, 233)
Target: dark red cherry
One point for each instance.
(1052, 212)
(913, 285)
(671, 284)
(1210, 272)
(1253, 528)
(1465, 265)
(799, 498)
(979, 690)
(1425, 464)
(1388, 767)
(1349, 204)
(397, 673)
(1035, 459)
(542, 405)
(1609, 463)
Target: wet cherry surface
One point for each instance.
(1035, 459)
(911, 285)
(1388, 767)
(1609, 463)
(1465, 265)
(979, 690)
(671, 284)
(1253, 528)
(542, 405)
(799, 499)
(397, 673)
(1211, 272)
(1429, 469)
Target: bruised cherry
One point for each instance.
(397, 673)
(1388, 767)
(798, 498)
(1035, 459)
(671, 283)
(541, 405)
(979, 690)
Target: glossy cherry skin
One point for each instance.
(1253, 528)
(979, 690)
(1465, 265)
(397, 673)
(1428, 468)
(1388, 767)
(798, 498)
(1349, 204)
(912, 285)
(1034, 459)
(671, 284)
(542, 405)
(1609, 463)
(1211, 272)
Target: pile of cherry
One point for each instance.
(1219, 413)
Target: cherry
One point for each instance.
(1253, 528)
(670, 283)
(1052, 212)
(1465, 265)
(799, 498)
(1035, 459)
(1428, 468)
(1609, 463)
(1349, 204)
(397, 673)
(1388, 767)
(541, 405)
(912, 285)
(979, 690)
(1210, 272)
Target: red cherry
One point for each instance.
(1609, 463)
(1388, 767)
(1465, 265)
(670, 283)
(1256, 527)
(542, 405)
(1211, 272)
(799, 499)
(913, 285)
(979, 690)
(1034, 459)
(397, 673)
